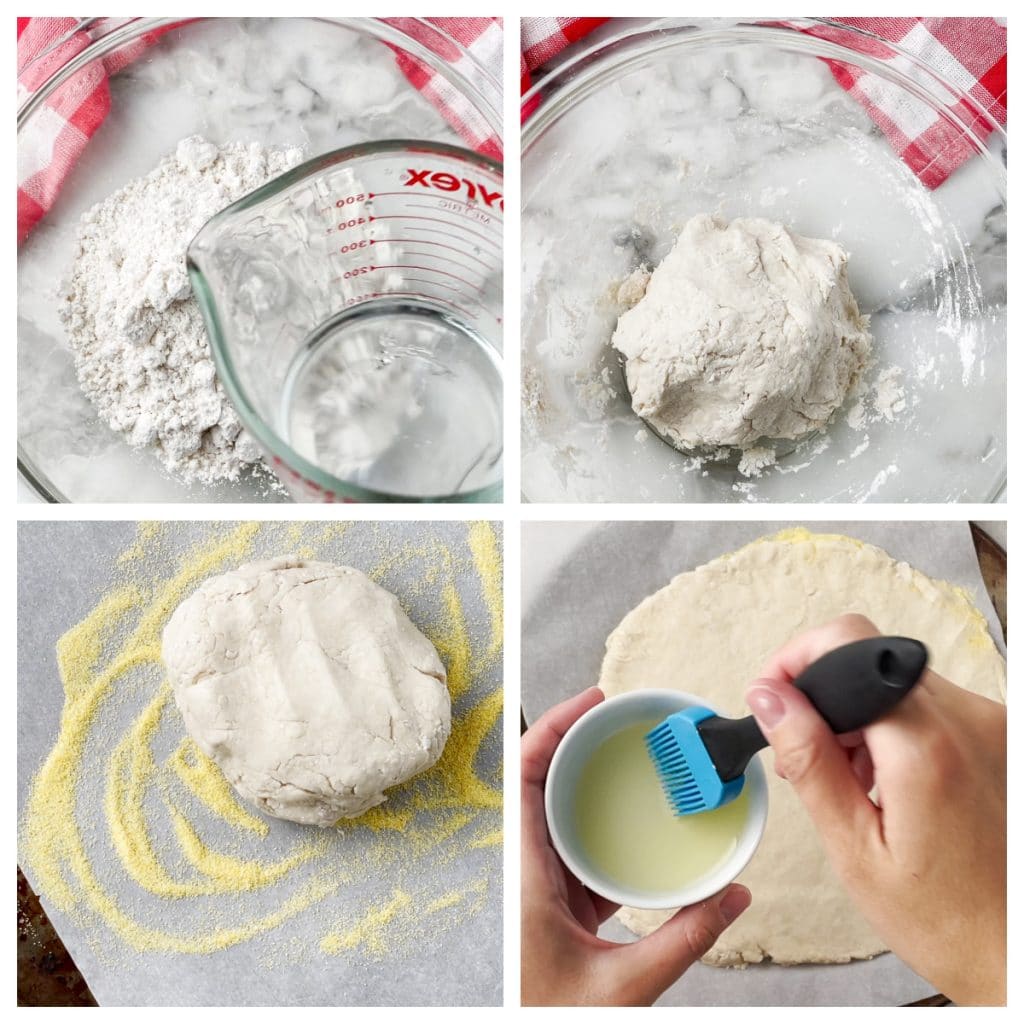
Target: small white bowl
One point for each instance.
(600, 722)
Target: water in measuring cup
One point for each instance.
(398, 397)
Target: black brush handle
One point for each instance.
(850, 687)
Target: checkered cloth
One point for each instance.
(540, 39)
(970, 53)
(482, 37)
(56, 136)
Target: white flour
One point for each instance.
(890, 397)
(137, 334)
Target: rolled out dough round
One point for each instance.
(308, 685)
(711, 630)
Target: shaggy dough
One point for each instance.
(710, 631)
(309, 685)
(746, 331)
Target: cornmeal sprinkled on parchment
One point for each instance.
(130, 827)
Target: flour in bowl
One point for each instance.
(135, 330)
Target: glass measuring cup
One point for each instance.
(354, 311)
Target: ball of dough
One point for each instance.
(308, 685)
(746, 331)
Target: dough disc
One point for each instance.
(710, 631)
(308, 685)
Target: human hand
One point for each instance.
(926, 865)
(564, 963)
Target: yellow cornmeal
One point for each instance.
(230, 874)
(147, 533)
(50, 841)
(450, 784)
(494, 838)
(453, 782)
(375, 933)
(370, 930)
(452, 642)
(487, 559)
(208, 784)
(446, 902)
(113, 657)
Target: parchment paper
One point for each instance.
(579, 580)
(63, 569)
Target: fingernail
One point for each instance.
(767, 707)
(733, 904)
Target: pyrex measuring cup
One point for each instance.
(354, 310)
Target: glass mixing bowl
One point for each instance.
(665, 120)
(323, 84)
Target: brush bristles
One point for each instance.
(674, 772)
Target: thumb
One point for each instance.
(658, 960)
(812, 760)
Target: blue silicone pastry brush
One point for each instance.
(701, 757)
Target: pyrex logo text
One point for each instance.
(445, 182)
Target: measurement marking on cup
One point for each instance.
(440, 245)
(358, 298)
(471, 211)
(454, 305)
(476, 249)
(345, 225)
(429, 270)
(482, 270)
(467, 208)
(473, 315)
(446, 198)
(353, 246)
(440, 284)
(436, 220)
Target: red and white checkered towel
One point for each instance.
(970, 53)
(543, 38)
(56, 136)
(49, 149)
(483, 38)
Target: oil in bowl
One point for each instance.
(629, 833)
